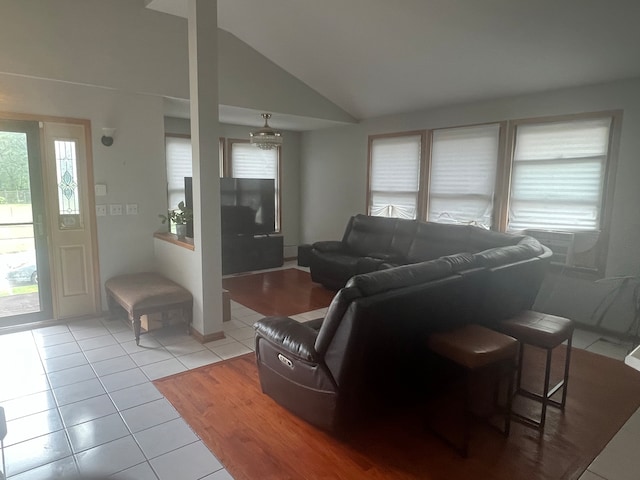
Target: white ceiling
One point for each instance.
(377, 57)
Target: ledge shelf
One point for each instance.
(172, 238)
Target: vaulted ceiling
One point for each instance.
(378, 57)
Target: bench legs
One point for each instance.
(136, 327)
(187, 315)
(112, 305)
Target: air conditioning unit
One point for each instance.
(560, 243)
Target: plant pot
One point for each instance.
(181, 231)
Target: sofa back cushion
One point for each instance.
(435, 240)
(332, 319)
(403, 236)
(370, 234)
(400, 277)
(481, 239)
(505, 255)
(462, 261)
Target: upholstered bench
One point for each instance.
(146, 293)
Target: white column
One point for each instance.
(203, 88)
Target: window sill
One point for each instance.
(576, 272)
(172, 238)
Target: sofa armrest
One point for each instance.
(330, 246)
(292, 337)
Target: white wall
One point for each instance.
(123, 45)
(334, 169)
(132, 168)
(290, 181)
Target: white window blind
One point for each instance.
(395, 176)
(558, 175)
(178, 153)
(249, 161)
(463, 174)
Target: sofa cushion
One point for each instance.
(399, 277)
(435, 240)
(481, 239)
(294, 337)
(461, 261)
(510, 254)
(403, 236)
(370, 234)
(334, 315)
(368, 264)
(329, 246)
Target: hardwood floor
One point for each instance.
(257, 439)
(282, 292)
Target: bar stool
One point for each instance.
(476, 348)
(545, 332)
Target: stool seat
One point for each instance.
(473, 346)
(538, 329)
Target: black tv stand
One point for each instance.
(244, 253)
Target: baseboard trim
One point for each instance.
(210, 337)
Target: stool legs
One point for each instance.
(566, 373)
(545, 391)
(468, 416)
(545, 399)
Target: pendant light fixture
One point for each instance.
(266, 137)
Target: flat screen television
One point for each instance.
(247, 205)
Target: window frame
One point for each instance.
(166, 136)
(228, 169)
(608, 181)
(423, 167)
(498, 185)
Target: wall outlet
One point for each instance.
(101, 210)
(132, 208)
(115, 209)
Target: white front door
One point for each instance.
(71, 214)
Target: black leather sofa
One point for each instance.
(370, 243)
(370, 347)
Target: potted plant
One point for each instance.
(180, 217)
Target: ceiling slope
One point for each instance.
(377, 57)
(122, 45)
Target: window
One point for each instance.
(394, 175)
(248, 161)
(178, 157)
(558, 175)
(554, 182)
(462, 174)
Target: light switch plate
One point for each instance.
(101, 210)
(115, 209)
(132, 208)
(101, 189)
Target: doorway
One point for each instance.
(25, 288)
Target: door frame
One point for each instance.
(91, 214)
(39, 223)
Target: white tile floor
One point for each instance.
(79, 400)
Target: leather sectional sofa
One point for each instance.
(370, 349)
(371, 243)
